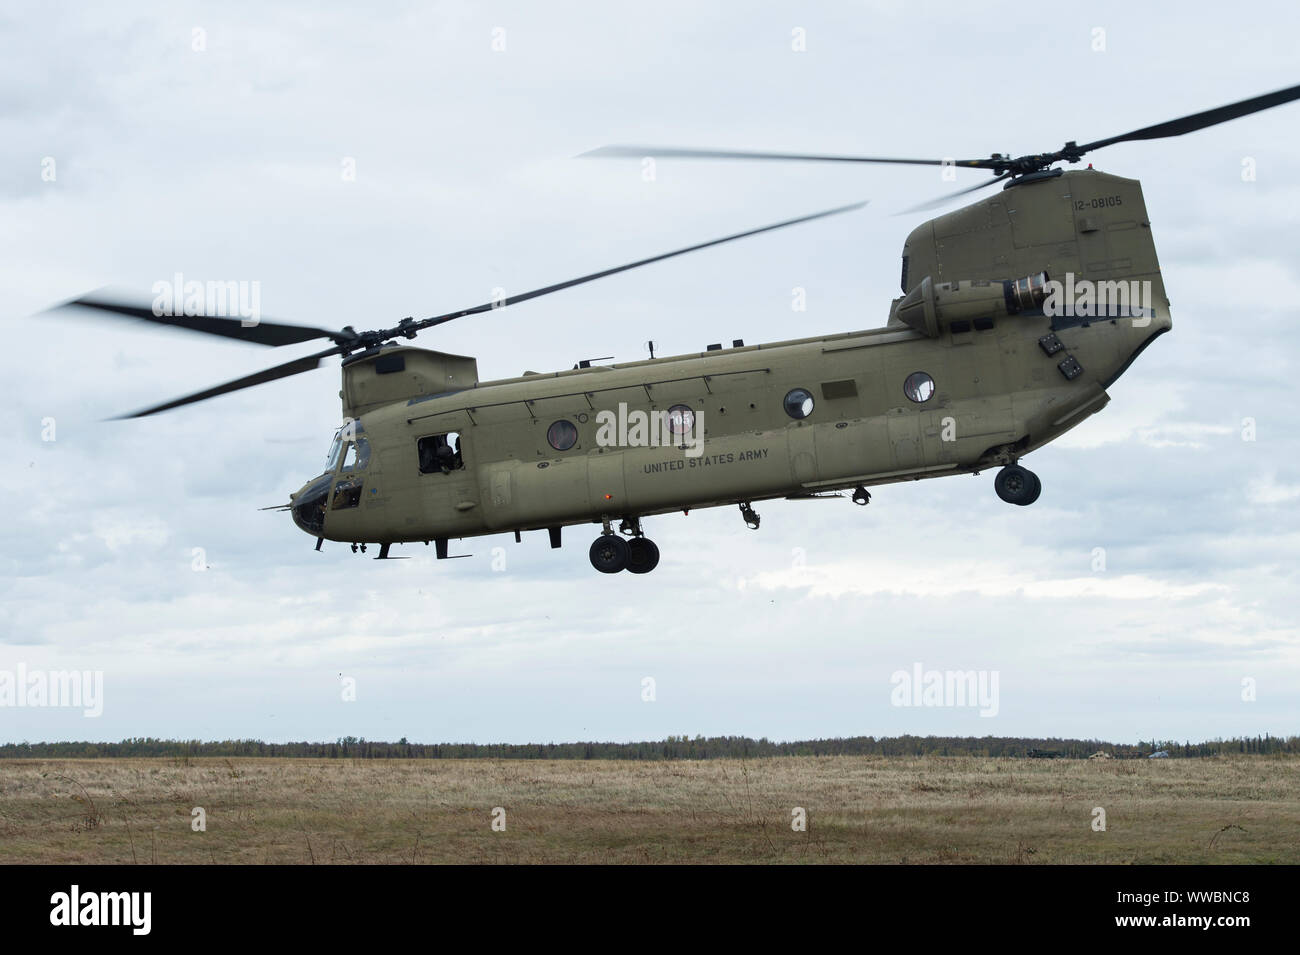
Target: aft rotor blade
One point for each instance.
(295, 367)
(674, 152)
(259, 333)
(942, 200)
(1209, 117)
(537, 293)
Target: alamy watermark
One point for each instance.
(232, 299)
(1085, 298)
(129, 909)
(922, 687)
(36, 688)
(678, 427)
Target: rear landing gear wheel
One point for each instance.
(1017, 485)
(642, 555)
(608, 553)
(1038, 488)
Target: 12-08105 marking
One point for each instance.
(1100, 202)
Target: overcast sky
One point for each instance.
(225, 163)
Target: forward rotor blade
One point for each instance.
(261, 333)
(537, 293)
(942, 200)
(295, 367)
(1209, 117)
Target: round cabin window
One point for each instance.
(681, 419)
(799, 403)
(919, 386)
(562, 435)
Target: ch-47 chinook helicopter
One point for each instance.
(1004, 338)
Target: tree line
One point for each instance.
(673, 747)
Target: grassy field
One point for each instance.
(859, 809)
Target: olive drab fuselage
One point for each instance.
(431, 453)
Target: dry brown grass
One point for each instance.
(859, 809)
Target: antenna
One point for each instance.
(651, 347)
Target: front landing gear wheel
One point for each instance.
(642, 555)
(1017, 485)
(608, 553)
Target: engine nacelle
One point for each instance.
(930, 308)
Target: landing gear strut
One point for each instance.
(1017, 485)
(750, 516)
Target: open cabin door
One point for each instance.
(449, 492)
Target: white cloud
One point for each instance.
(1267, 490)
(949, 580)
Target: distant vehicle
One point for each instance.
(1159, 754)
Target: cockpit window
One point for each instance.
(350, 432)
(336, 449)
(346, 494)
(357, 455)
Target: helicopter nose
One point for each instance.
(309, 506)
